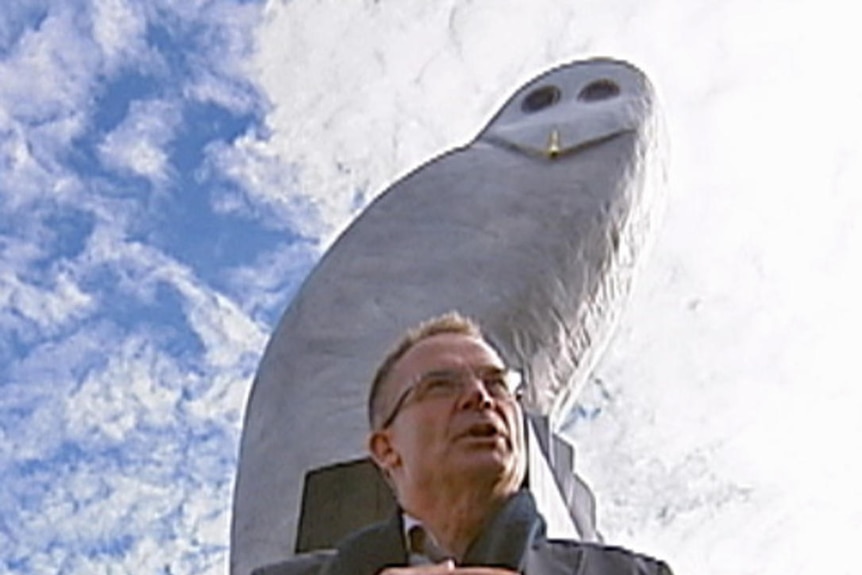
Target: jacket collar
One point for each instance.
(504, 542)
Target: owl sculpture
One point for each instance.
(533, 229)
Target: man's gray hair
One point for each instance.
(449, 322)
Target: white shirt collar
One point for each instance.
(417, 557)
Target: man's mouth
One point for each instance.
(484, 430)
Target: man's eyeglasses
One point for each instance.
(502, 384)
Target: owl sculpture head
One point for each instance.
(573, 106)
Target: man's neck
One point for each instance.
(456, 516)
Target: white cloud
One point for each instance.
(134, 453)
(46, 82)
(125, 507)
(223, 76)
(119, 28)
(138, 143)
(29, 167)
(267, 187)
(36, 387)
(216, 87)
(50, 76)
(50, 309)
(50, 71)
(137, 387)
(264, 286)
(226, 332)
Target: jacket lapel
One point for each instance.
(507, 538)
(547, 558)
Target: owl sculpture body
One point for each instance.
(533, 229)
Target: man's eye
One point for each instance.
(496, 384)
(439, 384)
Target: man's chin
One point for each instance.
(484, 458)
(476, 449)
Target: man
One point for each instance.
(447, 432)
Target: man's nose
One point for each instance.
(474, 394)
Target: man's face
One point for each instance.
(473, 435)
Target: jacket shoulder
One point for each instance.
(305, 564)
(558, 557)
(312, 563)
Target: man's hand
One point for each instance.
(446, 567)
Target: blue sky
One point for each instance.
(171, 170)
(130, 327)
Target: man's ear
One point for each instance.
(383, 451)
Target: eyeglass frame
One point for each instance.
(514, 391)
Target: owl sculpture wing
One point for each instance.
(533, 229)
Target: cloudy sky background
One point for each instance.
(170, 171)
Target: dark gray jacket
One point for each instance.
(515, 539)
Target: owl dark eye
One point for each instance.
(540, 98)
(599, 90)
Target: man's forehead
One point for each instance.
(447, 350)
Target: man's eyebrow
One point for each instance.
(491, 369)
(483, 369)
(442, 371)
